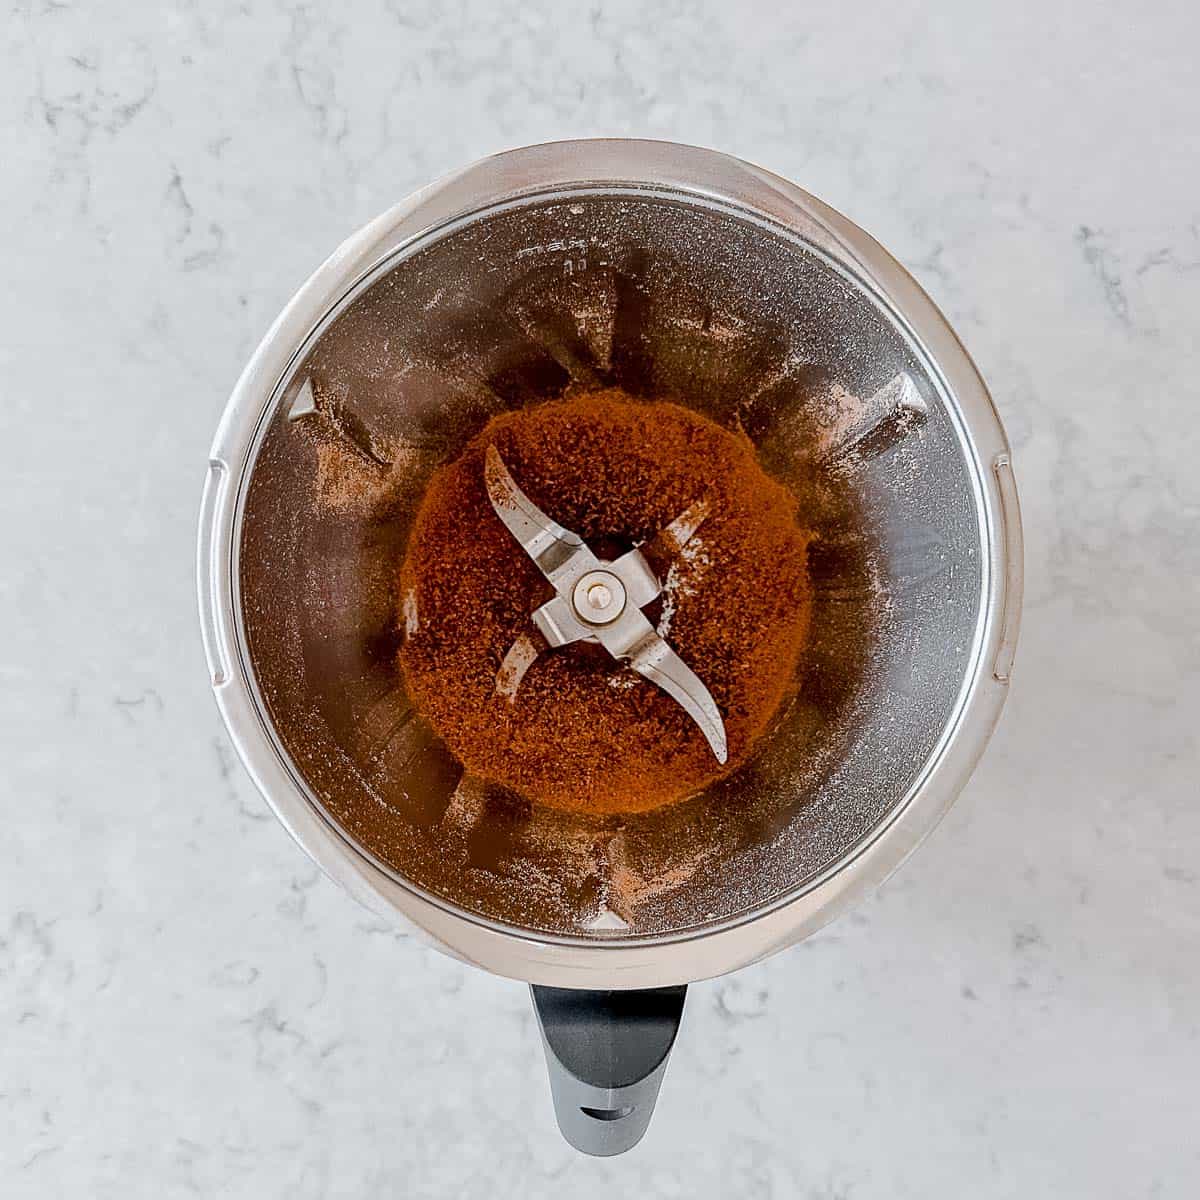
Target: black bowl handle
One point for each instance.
(607, 1054)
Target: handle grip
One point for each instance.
(606, 1053)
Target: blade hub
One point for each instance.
(598, 598)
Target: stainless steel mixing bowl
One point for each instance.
(671, 271)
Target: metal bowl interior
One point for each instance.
(666, 293)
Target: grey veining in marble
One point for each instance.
(186, 1008)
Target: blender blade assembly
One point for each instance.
(600, 601)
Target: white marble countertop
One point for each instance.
(187, 1008)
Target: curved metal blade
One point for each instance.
(558, 625)
(675, 536)
(657, 553)
(642, 569)
(641, 582)
(558, 552)
(520, 657)
(653, 659)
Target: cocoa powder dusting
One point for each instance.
(582, 732)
